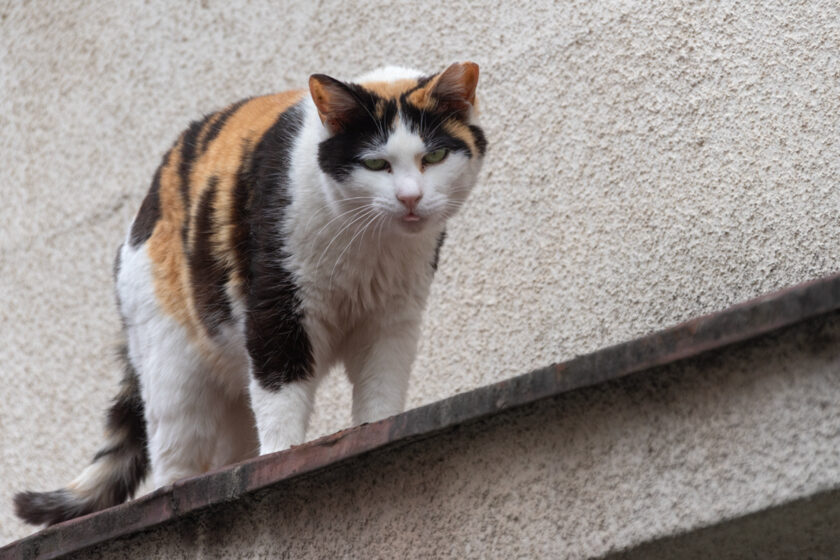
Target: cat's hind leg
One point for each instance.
(198, 414)
(184, 403)
(184, 407)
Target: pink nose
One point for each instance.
(409, 200)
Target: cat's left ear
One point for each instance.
(335, 101)
(451, 90)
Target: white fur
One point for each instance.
(363, 276)
(196, 415)
(283, 415)
(388, 74)
(89, 483)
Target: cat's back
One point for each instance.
(191, 227)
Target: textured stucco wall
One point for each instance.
(648, 163)
(592, 472)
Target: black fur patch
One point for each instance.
(480, 139)
(49, 508)
(127, 417)
(149, 213)
(429, 125)
(421, 83)
(441, 238)
(242, 196)
(127, 457)
(219, 124)
(189, 143)
(207, 274)
(339, 154)
(277, 343)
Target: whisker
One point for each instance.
(328, 204)
(380, 227)
(361, 231)
(349, 223)
(357, 209)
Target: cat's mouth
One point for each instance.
(412, 222)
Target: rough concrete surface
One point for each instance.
(805, 528)
(648, 163)
(591, 472)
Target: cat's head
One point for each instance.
(402, 147)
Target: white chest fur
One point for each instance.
(352, 271)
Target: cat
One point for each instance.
(280, 236)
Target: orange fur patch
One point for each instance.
(422, 99)
(462, 132)
(222, 159)
(164, 246)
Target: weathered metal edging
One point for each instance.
(735, 324)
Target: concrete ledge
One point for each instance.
(177, 502)
(804, 528)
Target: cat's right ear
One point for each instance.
(335, 101)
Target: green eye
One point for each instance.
(436, 157)
(375, 164)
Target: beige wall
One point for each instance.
(648, 163)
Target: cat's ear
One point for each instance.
(454, 88)
(335, 101)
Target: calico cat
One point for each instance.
(280, 236)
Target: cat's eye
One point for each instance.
(436, 157)
(375, 164)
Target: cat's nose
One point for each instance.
(410, 200)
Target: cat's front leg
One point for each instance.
(283, 373)
(282, 412)
(378, 365)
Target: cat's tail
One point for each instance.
(116, 471)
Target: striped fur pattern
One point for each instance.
(281, 236)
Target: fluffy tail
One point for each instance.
(115, 473)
